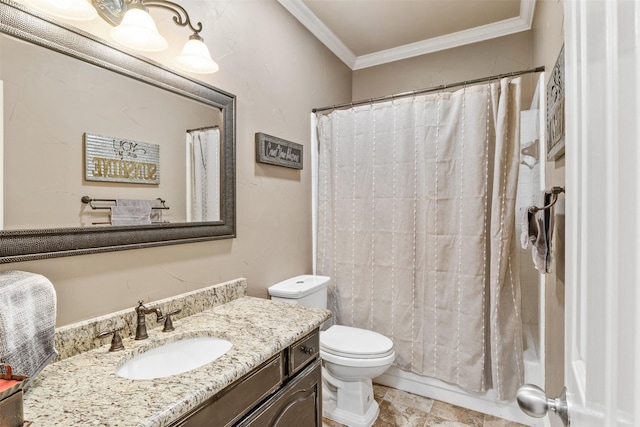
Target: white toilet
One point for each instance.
(351, 357)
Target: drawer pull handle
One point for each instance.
(307, 350)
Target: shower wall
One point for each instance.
(530, 187)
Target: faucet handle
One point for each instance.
(168, 323)
(116, 341)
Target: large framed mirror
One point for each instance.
(88, 89)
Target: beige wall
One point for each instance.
(548, 38)
(547, 32)
(501, 55)
(279, 72)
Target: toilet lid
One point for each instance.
(348, 341)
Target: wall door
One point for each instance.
(602, 356)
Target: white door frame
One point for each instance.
(602, 348)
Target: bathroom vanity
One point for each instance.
(284, 391)
(270, 376)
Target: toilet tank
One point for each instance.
(308, 290)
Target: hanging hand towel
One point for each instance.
(539, 249)
(528, 228)
(27, 322)
(541, 228)
(549, 226)
(156, 214)
(130, 215)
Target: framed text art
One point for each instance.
(111, 159)
(555, 110)
(277, 151)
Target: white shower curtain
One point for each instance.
(203, 154)
(416, 228)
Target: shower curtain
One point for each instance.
(203, 154)
(416, 228)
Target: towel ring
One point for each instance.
(554, 192)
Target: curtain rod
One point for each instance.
(431, 89)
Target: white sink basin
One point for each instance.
(174, 358)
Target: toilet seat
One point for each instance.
(354, 362)
(345, 342)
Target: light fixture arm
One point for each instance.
(113, 11)
(181, 17)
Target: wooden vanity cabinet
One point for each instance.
(284, 391)
(297, 404)
(303, 351)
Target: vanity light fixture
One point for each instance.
(138, 31)
(75, 10)
(135, 28)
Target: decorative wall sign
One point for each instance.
(120, 160)
(277, 151)
(555, 110)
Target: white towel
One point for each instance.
(528, 228)
(27, 322)
(156, 214)
(539, 247)
(130, 215)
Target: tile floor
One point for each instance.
(402, 409)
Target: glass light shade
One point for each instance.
(73, 10)
(138, 31)
(195, 58)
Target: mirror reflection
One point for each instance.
(52, 100)
(43, 190)
(203, 174)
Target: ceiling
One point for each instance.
(365, 33)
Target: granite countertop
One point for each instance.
(84, 390)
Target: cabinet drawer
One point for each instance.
(304, 351)
(226, 408)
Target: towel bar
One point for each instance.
(554, 192)
(88, 200)
(156, 218)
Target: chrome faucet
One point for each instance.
(141, 311)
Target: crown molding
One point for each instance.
(307, 18)
(473, 35)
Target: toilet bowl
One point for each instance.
(351, 357)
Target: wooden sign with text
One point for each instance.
(277, 151)
(120, 160)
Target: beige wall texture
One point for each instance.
(488, 58)
(279, 72)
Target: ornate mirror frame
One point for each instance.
(24, 245)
